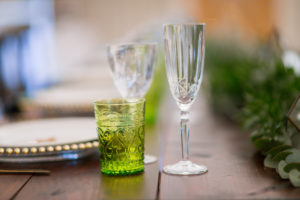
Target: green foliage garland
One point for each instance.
(257, 90)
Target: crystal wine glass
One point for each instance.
(132, 66)
(184, 51)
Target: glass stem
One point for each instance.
(185, 133)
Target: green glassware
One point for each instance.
(121, 129)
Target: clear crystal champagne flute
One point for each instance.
(184, 51)
(132, 66)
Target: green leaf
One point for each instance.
(276, 154)
(269, 162)
(281, 155)
(294, 176)
(291, 166)
(275, 150)
(280, 169)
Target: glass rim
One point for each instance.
(122, 101)
(134, 44)
(185, 24)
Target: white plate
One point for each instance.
(75, 98)
(81, 93)
(48, 137)
(48, 132)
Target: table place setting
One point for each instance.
(156, 99)
(113, 141)
(120, 122)
(106, 150)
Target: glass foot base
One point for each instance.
(148, 159)
(185, 168)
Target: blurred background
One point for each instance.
(53, 52)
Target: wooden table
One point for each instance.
(235, 170)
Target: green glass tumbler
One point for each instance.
(121, 130)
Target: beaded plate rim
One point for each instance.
(31, 151)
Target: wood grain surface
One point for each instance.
(11, 184)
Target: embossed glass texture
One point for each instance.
(132, 66)
(184, 52)
(120, 126)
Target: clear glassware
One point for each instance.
(184, 51)
(132, 66)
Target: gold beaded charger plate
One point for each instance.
(48, 140)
